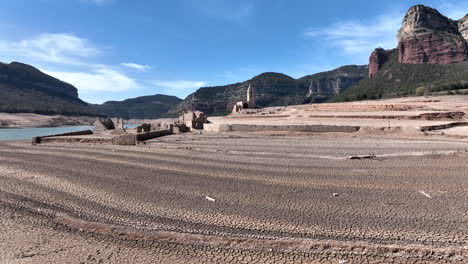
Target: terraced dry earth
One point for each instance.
(232, 198)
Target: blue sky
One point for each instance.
(118, 49)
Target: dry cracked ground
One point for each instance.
(231, 198)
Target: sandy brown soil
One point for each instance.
(26, 120)
(406, 114)
(233, 198)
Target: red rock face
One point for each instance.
(429, 37)
(434, 47)
(376, 60)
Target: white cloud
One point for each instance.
(56, 48)
(104, 79)
(136, 66)
(178, 88)
(71, 59)
(179, 85)
(361, 37)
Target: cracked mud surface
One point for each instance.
(277, 199)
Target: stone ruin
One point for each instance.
(187, 121)
(173, 127)
(103, 125)
(247, 104)
(193, 119)
(114, 125)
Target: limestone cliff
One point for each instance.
(427, 36)
(323, 86)
(463, 27)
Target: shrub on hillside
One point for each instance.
(421, 90)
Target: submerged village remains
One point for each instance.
(113, 130)
(437, 115)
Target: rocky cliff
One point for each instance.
(432, 55)
(274, 89)
(323, 86)
(25, 89)
(427, 36)
(377, 60)
(395, 79)
(463, 27)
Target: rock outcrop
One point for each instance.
(429, 37)
(396, 79)
(323, 86)
(377, 60)
(463, 27)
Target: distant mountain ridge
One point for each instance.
(275, 89)
(25, 89)
(143, 107)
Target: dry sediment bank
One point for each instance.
(28, 120)
(406, 202)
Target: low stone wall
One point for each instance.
(38, 140)
(286, 128)
(153, 134)
(87, 140)
(440, 127)
(133, 139)
(129, 139)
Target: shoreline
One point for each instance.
(31, 120)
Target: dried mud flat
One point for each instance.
(233, 198)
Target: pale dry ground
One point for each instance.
(438, 103)
(25, 120)
(273, 202)
(398, 113)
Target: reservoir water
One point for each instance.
(29, 133)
